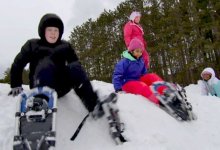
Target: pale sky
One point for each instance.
(20, 19)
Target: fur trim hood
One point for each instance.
(50, 20)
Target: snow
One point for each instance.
(146, 125)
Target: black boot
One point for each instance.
(98, 111)
(87, 95)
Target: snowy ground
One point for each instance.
(147, 126)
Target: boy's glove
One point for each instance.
(15, 91)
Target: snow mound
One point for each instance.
(146, 125)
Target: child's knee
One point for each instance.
(149, 78)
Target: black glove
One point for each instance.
(118, 91)
(15, 91)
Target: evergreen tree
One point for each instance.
(183, 37)
(6, 79)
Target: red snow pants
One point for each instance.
(142, 87)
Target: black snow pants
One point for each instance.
(63, 79)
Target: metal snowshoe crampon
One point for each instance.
(173, 100)
(116, 128)
(35, 120)
(109, 109)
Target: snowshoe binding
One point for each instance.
(111, 110)
(35, 120)
(108, 108)
(174, 101)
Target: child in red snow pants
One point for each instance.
(142, 87)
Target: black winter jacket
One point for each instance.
(33, 52)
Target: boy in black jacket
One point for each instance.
(52, 62)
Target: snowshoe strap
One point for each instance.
(82, 123)
(79, 128)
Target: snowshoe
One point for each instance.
(174, 101)
(183, 98)
(111, 110)
(35, 120)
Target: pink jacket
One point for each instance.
(133, 30)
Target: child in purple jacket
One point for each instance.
(130, 74)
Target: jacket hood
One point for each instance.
(134, 14)
(50, 20)
(208, 70)
(213, 79)
(213, 84)
(127, 55)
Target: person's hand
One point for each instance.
(15, 91)
(119, 91)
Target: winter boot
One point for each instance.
(98, 111)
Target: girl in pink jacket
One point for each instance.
(133, 29)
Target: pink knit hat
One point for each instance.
(134, 44)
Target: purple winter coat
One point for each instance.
(127, 69)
